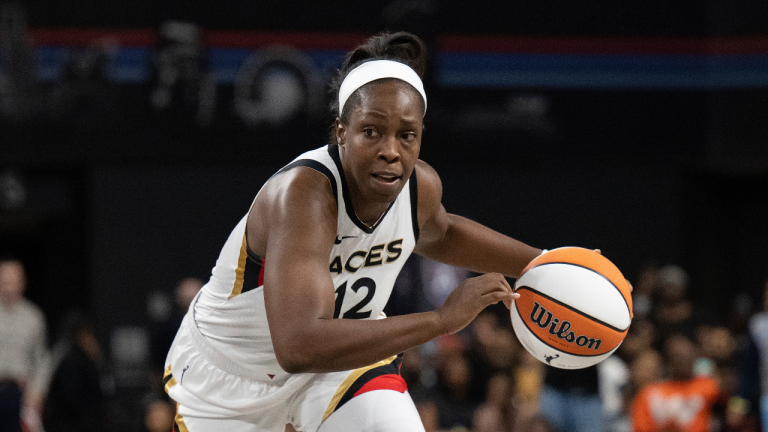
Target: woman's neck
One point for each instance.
(368, 211)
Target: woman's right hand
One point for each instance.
(471, 297)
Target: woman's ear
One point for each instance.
(341, 132)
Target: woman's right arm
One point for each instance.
(300, 213)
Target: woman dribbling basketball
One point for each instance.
(287, 331)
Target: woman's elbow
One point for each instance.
(293, 359)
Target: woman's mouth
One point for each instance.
(386, 178)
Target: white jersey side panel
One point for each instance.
(364, 264)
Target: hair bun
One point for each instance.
(401, 46)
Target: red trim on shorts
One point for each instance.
(384, 382)
(261, 273)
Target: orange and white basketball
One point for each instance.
(574, 309)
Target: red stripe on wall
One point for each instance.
(448, 43)
(612, 45)
(84, 37)
(215, 39)
(308, 41)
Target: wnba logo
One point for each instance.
(544, 318)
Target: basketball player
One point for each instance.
(289, 328)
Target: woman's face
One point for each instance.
(381, 143)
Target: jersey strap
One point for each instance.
(315, 165)
(414, 189)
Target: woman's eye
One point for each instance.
(370, 133)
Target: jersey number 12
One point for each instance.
(354, 312)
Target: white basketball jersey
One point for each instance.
(364, 264)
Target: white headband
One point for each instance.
(378, 69)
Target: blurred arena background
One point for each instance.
(133, 136)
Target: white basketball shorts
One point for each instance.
(213, 393)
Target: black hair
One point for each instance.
(7, 257)
(402, 47)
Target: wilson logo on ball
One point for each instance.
(543, 318)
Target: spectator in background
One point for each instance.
(419, 379)
(739, 313)
(538, 424)
(528, 381)
(75, 400)
(640, 337)
(495, 414)
(455, 407)
(429, 415)
(163, 334)
(684, 402)
(673, 312)
(613, 380)
(570, 400)
(158, 415)
(645, 369)
(751, 395)
(634, 365)
(718, 349)
(493, 349)
(24, 357)
(644, 289)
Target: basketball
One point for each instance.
(574, 309)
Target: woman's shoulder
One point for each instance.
(427, 175)
(430, 186)
(294, 200)
(297, 187)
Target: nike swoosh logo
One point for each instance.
(338, 240)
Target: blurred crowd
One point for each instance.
(681, 367)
